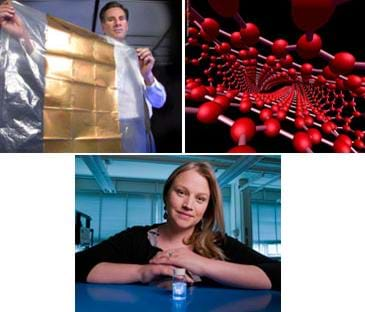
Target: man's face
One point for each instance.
(115, 23)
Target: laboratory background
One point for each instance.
(116, 192)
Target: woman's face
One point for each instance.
(187, 199)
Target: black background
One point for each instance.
(345, 31)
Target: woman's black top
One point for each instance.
(132, 246)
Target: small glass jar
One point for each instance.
(179, 284)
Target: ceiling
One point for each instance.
(260, 172)
(154, 24)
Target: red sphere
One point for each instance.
(279, 47)
(242, 149)
(281, 114)
(328, 127)
(328, 74)
(205, 47)
(259, 103)
(308, 121)
(360, 91)
(210, 27)
(302, 142)
(321, 80)
(359, 134)
(306, 69)
(359, 144)
(341, 146)
(225, 8)
(309, 49)
(191, 84)
(357, 114)
(346, 128)
(252, 52)
(219, 88)
(272, 127)
(265, 114)
(346, 139)
(343, 63)
(340, 84)
(243, 126)
(236, 40)
(195, 62)
(222, 101)
(210, 90)
(232, 93)
(299, 122)
(245, 105)
(193, 41)
(292, 72)
(309, 15)
(205, 36)
(353, 82)
(208, 112)
(224, 48)
(243, 54)
(270, 60)
(193, 32)
(287, 60)
(314, 135)
(197, 94)
(250, 34)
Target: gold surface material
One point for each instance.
(81, 105)
(105, 99)
(102, 52)
(105, 128)
(58, 93)
(59, 67)
(56, 124)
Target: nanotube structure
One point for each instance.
(274, 76)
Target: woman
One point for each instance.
(192, 237)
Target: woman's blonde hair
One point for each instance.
(210, 230)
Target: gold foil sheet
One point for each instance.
(83, 71)
(83, 146)
(104, 127)
(104, 99)
(56, 124)
(58, 93)
(102, 53)
(81, 105)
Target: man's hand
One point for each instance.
(146, 63)
(14, 25)
(6, 12)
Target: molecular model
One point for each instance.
(271, 81)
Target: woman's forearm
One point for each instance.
(106, 272)
(236, 275)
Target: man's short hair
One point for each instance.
(109, 5)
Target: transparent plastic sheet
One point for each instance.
(22, 85)
(134, 115)
(66, 86)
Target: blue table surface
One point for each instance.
(135, 297)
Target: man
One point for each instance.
(138, 89)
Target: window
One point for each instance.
(266, 228)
